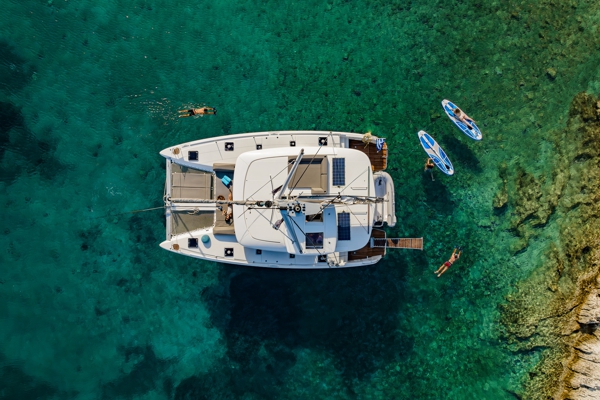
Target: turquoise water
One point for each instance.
(92, 308)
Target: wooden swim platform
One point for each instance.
(398, 243)
(368, 251)
(379, 243)
(378, 159)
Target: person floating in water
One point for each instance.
(464, 118)
(429, 167)
(455, 256)
(197, 111)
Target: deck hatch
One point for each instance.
(338, 168)
(343, 226)
(314, 240)
(192, 243)
(192, 155)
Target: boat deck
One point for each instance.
(368, 251)
(190, 183)
(399, 243)
(378, 159)
(188, 221)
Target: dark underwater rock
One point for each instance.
(585, 106)
(501, 197)
(551, 73)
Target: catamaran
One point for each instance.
(283, 199)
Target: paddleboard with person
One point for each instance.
(465, 123)
(436, 153)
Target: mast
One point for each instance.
(289, 177)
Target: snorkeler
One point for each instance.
(197, 111)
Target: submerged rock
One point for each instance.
(557, 309)
(501, 197)
(584, 106)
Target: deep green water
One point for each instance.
(92, 308)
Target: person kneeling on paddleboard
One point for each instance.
(464, 118)
(455, 256)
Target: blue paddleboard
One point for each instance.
(436, 153)
(474, 133)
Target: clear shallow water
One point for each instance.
(92, 308)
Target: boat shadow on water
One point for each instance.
(350, 315)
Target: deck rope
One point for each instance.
(129, 212)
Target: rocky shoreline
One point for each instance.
(582, 375)
(556, 311)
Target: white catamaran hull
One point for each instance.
(325, 193)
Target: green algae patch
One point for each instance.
(542, 314)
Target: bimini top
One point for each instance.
(315, 192)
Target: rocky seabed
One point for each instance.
(557, 309)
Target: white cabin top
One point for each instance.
(322, 174)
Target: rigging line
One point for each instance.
(348, 185)
(247, 209)
(305, 169)
(248, 227)
(349, 209)
(325, 206)
(259, 210)
(270, 180)
(311, 241)
(146, 209)
(333, 144)
(280, 231)
(292, 232)
(335, 254)
(187, 230)
(128, 212)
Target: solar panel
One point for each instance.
(339, 171)
(343, 226)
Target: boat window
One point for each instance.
(314, 240)
(339, 171)
(314, 217)
(343, 226)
